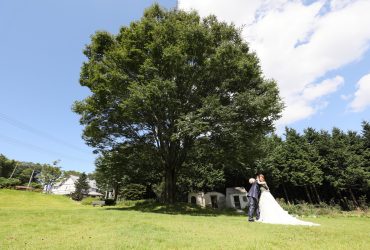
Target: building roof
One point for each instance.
(74, 178)
(93, 193)
(235, 190)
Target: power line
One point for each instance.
(39, 149)
(30, 129)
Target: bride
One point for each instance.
(272, 212)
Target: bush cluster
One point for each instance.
(133, 192)
(89, 200)
(307, 209)
(9, 183)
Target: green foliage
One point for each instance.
(82, 188)
(127, 164)
(306, 209)
(25, 175)
(324, 166)
(6, 166)
(44, 174)
(68, 173)
(89, 200)
(36, 185)
(9, 183)
(49, 175)
(133, 192)
(169, 80)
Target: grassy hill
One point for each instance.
(37, 221)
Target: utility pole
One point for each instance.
(15, 167)
(29, 182)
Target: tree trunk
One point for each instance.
(308, 194)
(317, 194)
(313, 195)
(286, 194)
(343, 199)
(115, 190)
(353, 198)
(170, 184)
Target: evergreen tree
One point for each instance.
(81, 188)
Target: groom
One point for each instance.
(253, 195)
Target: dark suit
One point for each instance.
(254, 195)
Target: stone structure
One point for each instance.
(210, 199)
(236, 197)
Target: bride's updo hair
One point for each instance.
(262, 177)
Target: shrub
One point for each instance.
(89, 200)
(110, 202)
(9, 183)
(306, 209)
(36, 185)
(133, 192)
(77, 196)
(363, 203)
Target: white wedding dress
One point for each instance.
(272, 212)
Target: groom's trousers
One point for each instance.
(253, 207)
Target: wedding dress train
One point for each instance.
(272, 212)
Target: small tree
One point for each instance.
(82, 188)
(49, 175)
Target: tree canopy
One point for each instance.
(324, 166)
(170, 80)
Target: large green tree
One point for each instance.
(7, 166)
(172, 78)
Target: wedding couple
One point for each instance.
(266, 208)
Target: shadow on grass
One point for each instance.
(149, 206)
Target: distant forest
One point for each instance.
(318, 166)
(36, 175)
(315, 166)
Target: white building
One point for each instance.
(67, 186)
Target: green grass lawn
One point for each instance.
(36, 221)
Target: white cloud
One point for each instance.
(298, 43)
(237, 11)
(338, 4)
(326, 87)
(309, 101)
(362, 95)
(345, 97)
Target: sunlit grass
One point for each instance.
(37, 221)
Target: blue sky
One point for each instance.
(40, 58)
(318, 51)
